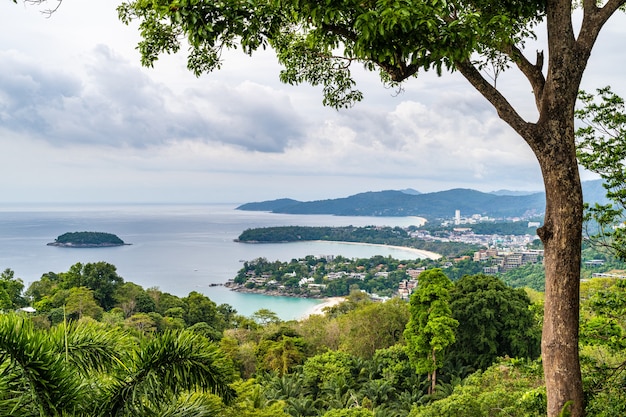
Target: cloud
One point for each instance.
(118, 104)
(79, 118)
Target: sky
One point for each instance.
(81, 121)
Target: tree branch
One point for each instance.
(47, 12)
(398, 71)
(505, 111)
(594, 19)
(533, 72)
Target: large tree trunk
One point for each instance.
(561, 236)
(552, 141)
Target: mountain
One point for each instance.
(594, 192)
(442, 204)
(410, 191)
(510, 192)
(271, 205)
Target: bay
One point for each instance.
(177, 248)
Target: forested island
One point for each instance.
(87, 240)
(392, 236)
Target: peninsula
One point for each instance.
(87, 240)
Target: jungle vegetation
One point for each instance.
(111, 347)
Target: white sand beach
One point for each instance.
(421, 252)
(319, 308)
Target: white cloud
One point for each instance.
(80, 118)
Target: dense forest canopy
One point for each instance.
(88, 239)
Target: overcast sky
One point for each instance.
(82, 121)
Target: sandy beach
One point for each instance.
(421, 252)
(319, 308)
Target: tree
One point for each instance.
(510, 388)
(317, 42)
(34, 380)
(133, 298)
(11, 288)
(166, 365)
(265, 316)
(87, 369)
(602, 149)
(199, 308)
(373, 326)
(101, 277)
(494, 321)
(81, 303)
(431, 327)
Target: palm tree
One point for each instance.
(87, 369)
(163, 367)
(34, 379)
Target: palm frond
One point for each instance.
(168, 364)
(90, 346)
(32, 372)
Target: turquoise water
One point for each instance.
(177, 248)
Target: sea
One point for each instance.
(177, 248)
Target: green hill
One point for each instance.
(442, 204)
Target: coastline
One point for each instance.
(319, 308)
(87, 245)
(424, 253)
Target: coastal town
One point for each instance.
(330, 276)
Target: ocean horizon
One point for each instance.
(178, 248)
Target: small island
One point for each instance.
(87, 240)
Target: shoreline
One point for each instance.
(319, 308)
(424, 253)
(87, 245)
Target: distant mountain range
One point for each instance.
(442, 204)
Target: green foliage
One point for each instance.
(200, 308)
(317, 42)
(166, 365)
(349, 412)
(603, 345)
(81, 302)
(529, 275)
(602, 149)
(11, 291)
(322, 368)
(431, 327)
(100, 277)
(252, 402)
(281, 355)
(510, 388)
(85, 368)
(34, 378)
(265, 316)
(494, 321)
(371, 327)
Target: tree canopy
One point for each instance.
(431, 328)
(494, 321)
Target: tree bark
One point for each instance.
(561, 237)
